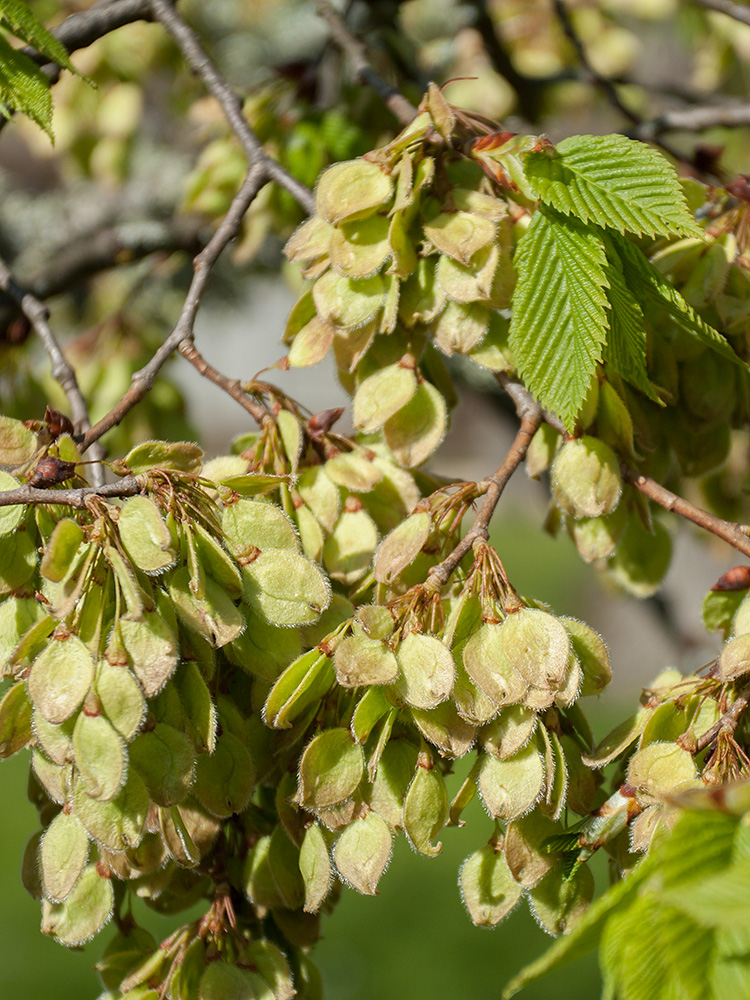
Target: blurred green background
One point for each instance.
(413, 941)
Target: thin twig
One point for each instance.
(728, 722)
(524, 402)
(737, 11)
(182, 333)
(531, 417)
(403, 110)
(37, 315)
(261, 168)
(112, 246)
(529, 90)
(231, 386)
(128, 486)
(733, 533)
(730, 531)
(201, 65)
(603, 83)
(600, 82)
(696, 119)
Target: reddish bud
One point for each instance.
(736, 578)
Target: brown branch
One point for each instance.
(601, 83)
(731, 532)
(531, 417)
(231, 386)
(144, 378)
(37, 315)
(356, 51)
(529, 90)
(124, 243)
(128, 486)
(695, 119)
(201, 65)
(737, 11)
(261, 168)
(728, 722)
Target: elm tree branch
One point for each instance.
(603, 83)
(728, 722)
(596, 79)
(731, 532)
(230, 385)
(356, 51)
(261, 168)
(530, 414)
(37, 315)
(695, 119)
(182, 333)
(112, 246)
(737, 11)
(128, 486)
(201, 65)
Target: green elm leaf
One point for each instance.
(23, 23)
(560, 321)
(24, 87)
(651, 288)
(614, 182)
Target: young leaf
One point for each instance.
(614, 182)
(24, 87)
(650, 287)
(560, 320)
(626, 347)
(16, 15)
